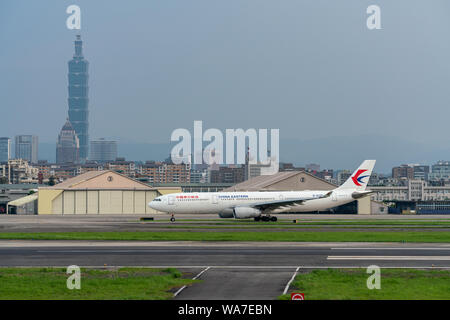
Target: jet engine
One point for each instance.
(246, 212)
(227, 213)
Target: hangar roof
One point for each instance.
(283, 181)
(97, 180)
(24, 200)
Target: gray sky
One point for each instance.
(310, 68)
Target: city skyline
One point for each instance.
(309, 94)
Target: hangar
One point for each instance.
(300, 181)
(99, 192)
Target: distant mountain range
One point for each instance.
(332, 152)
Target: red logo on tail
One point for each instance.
(357, 179)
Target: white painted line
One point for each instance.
(104, 251)
(194, 278)
(390, 248)
(230, 267)
(179, 290)
(290, 281)
(197, 276)
(407, 258)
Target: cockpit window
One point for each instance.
(157, 200)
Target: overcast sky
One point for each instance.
(310, 68)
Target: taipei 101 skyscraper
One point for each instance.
(78, 97)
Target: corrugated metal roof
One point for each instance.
(20, 186)
(164, 191)
(261, 182)
(77, 181)
(22, 201)
(264, 182)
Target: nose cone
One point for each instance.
(153, 204)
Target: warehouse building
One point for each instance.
(12, 192)
(24, 205)
(99, 192)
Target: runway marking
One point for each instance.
(229, 267)
(104, 251)
(408, 258)
(391, 248)
(194, 278)
(290, 281)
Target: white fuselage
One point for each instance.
(218, 202)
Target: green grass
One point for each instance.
(296, 226)
(303, 223)
(350, 284)
(125, 283)
(364, 236)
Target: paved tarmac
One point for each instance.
(209, 223)
(230, 270)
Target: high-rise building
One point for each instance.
(440, 171)
(421, 172)
(103, 150)
(78, 97)
(159, 172)
(122, 166)
(404, 171)
(26, 148)
(342, 176)
(5, 149)
(18, 171)
(68, 146)
(228, 175)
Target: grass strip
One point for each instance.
(350, 284)
(124, 283)
(328, 236)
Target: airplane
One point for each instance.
(260, 205)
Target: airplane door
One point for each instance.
(171, 200)
(334, 196)
(215, 199)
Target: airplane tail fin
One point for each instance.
(359, 179)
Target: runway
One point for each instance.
(228, 270)
(212, 223)
(235, 270)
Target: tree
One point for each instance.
(51, 181)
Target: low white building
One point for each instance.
(415, 190)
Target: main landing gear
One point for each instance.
(266, 218)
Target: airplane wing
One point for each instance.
(285, 203)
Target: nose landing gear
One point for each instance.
(172, 218)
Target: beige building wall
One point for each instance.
(102, 202)
(68, 199)
(92, 202)
(57, 205)
(80, 202)
(364, 205)
(45, 200)
(128, 201)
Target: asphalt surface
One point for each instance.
(228, 270)
(206, 223)
(238, 270)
